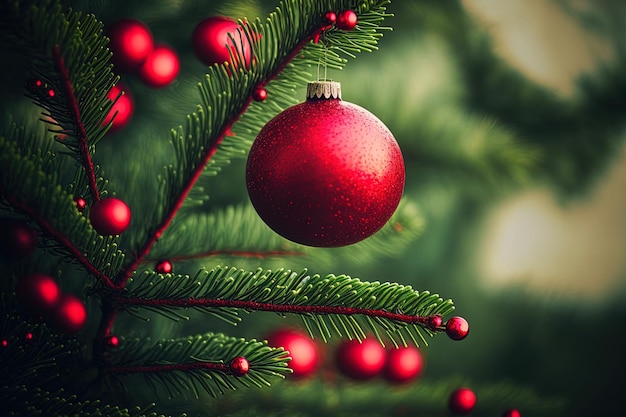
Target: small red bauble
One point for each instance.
(69, 315)
(360, 360)
(37, 292)
(239, 366)
(111, 341)
(81, 204)
(109, 216)
(212, 44)
(434, 322)
(17, 238)
(164, 267)
(347, 20)
(462, 401)
(325, 172)
(300, 347)
(512, 413)
(259, 94)
(131, 42)
(331, 17)
(457, 328)
(122, 110)
(160, 68)
(403, 364)
(28, 337)
(4, 343)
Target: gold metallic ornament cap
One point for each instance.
(323, 89)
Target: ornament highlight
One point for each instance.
(325, 172)
(347, 20)
(37, 292)
(164, 267)
(512, 413)
(300, 347)
(17, 238)
(70, 315)
(110, 216)
(239, 366)
(457, 328)
(212, 43)
(403, 364)
(131, 42)
(160, 67)
(122, 110)
(462, 401)
(360, 360)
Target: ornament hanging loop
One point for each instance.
(322, 60)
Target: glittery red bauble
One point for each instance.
(122, 109)
(160, 68)
(163, 267)
(325, 172)
(346, 20)
(17, 238)
(462, 401)
(403, 364)
(109, 216)
(131, 42)
(360, 360)
(69, 315)
(302, 350)
(212, 44)
(239, 366)
(37, 292)
(512, 413)
(457, 328)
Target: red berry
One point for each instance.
(347, 20)
(360, 360)
(300, 347)
(81, 204)
(4, 343)
(239, 366)
(403, 364)
(213, 45)
(163, 267)
(69, 315)
(28, 337)
(325, 172)
(457, 328)
(109, 216)
(160, 67)
(462, 401)
(512, 413)
(37, 292)
(331, 17)
(111, 341)
(434, 322)
(259, 94)
(131, 42)
(122, 109)
(17, 238)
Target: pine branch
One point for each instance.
(198, 363)
(332, 304)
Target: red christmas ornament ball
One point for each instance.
(462, 401)
(259, 94)
(403, 364)
(131, 42)
(325, 172)
(300, 347)
(239, 366)
(434, 322)
(164, 267)
(360, 360)
(109, 216)
(70, 315)
(457, 328)
(512, 413)
(122, 110)
(212, 44)
(37, 292)
(160, 67)
(347, 20)
(17, 238)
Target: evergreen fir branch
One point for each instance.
(198, 363)
(40, 196)
(329, 305)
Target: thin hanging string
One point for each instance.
(319, 61)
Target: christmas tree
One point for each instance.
(172, 169)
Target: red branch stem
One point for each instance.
(60, 238)
(81, 133)
(277, 308)
(213, 366)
